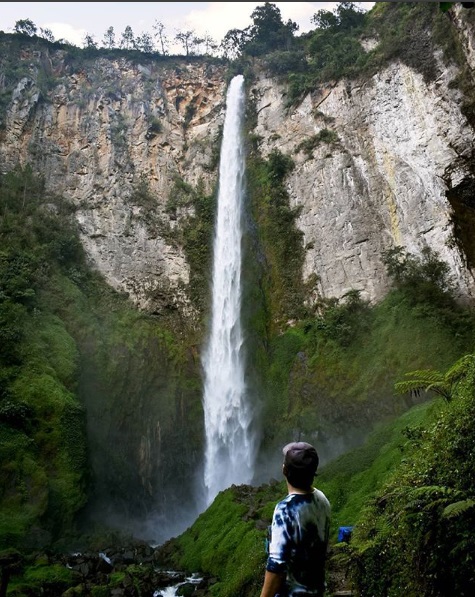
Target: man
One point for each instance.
(300, 530)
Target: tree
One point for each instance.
(196, 42)
(159, 34)
(210, 44)
(345, 17)
(25, 26)
(350, 15)
(47, 34)
(325, 19)
(268, 32)
(89, 41)
(429, 380)
(109, 38)
(425, 277)
(127, 40)
(234, 42)
(188, 40)
(144, 43)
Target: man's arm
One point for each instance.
(273, 584)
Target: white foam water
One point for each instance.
(229, 451)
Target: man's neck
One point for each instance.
(292, 489)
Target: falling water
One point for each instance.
(229, 446)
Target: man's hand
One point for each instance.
(273, 584)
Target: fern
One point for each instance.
(458, 508)
(432, 497)
(460, 369)
(429, 380)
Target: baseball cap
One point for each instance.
(301, 455)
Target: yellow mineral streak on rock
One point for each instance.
(390, 197)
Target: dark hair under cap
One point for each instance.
(301, 456)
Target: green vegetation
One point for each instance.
(350, 43)
(51, 580)
(224, 541)
(352, 479)
(348, 353)
(417, 531)
(335, 353)
(443, 384)
(323, 136)
(280, 242)
(72, 347)
(43, 451)
(78, 361)
(408, 491)
(268, 32)
(195, 211)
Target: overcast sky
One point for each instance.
(73, 20)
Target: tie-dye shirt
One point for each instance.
(298, 543)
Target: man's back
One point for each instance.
(299, 540)
(300, 529)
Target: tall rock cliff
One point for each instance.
(104, 133)
(380, 162)
(390, 158)
(400, 145)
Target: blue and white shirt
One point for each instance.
(298, 543)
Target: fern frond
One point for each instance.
(458, 508)
(409, 387)
(460, 368)
(443, 502)
(384, 527)
(443, 389)
(430, 497)
(426, 375)
(427, 380)
(432, 491)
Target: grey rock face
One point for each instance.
(399, 145)
(101, 133)
(374, 162)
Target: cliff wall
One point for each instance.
(105, 132)
(386, 174)
(398, 150)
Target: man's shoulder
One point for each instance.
(283, 503)
(319, 495)
(297, 500)
(323, 502)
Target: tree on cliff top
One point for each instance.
(26, 26)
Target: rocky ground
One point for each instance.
(134, 569)
(125, 571)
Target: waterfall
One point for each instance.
(229, 448)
